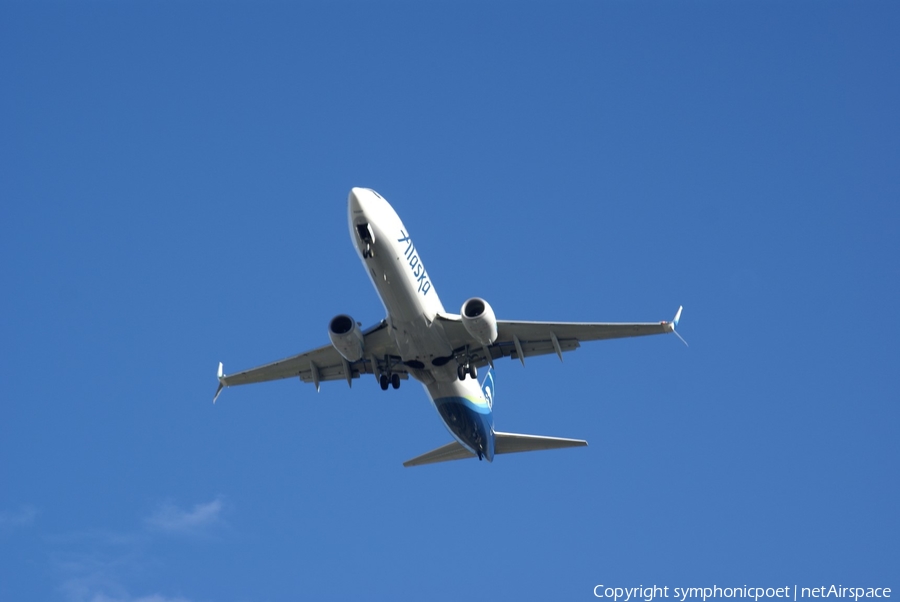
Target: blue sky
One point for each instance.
(173, 185)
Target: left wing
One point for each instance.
(525, 339)
(325, 363)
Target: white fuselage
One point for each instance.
(393, 262)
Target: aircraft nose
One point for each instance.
(357, 201)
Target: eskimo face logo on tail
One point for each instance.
(487, 388)
(415, 264)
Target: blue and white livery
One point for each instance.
(419, 339)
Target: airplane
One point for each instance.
(419, 339)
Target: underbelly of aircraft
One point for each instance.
(471, 427)
(417, 342)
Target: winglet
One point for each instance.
(675, 325)
(221, 376)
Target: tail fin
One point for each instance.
(487, 388)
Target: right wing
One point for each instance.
(324, 363)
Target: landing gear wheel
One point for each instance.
(395, 380)
(383, 381)
(473, 371)
(461, 372)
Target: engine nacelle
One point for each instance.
(479, 320)
(346, 337)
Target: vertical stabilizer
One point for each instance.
(487, 388)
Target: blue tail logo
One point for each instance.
(487, 388)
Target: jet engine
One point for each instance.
(346, 337)
(479, 320)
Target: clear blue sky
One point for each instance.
(173, 185)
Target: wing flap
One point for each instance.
(529, 348)
(579, 331)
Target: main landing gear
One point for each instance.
(393, 379)
(388, 377)
(467, 368)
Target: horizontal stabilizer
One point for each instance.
(504, 443)
(451, 451)
(510, 443)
